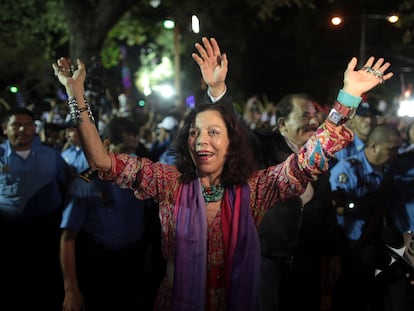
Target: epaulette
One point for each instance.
(87, 174)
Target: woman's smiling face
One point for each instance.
(208, 143)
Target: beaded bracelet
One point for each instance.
(75, 112)
(88, 108)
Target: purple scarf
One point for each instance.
(242, 250)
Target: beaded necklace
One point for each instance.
(212, 193)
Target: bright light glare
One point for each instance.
(195, 24)
(147, 91)
(406, 108)
(393, 18)
(165, 90)
(148, 76)
(336, 20)
(169, 24)
(155, 3)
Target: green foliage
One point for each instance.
(130, 30)
(33, 20)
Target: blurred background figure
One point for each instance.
(164, 136)
(53, 135)
(72, 151)
(253, 111)
(57, 112)
(408, 143)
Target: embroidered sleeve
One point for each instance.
(146, 178)
(320, 148)
(124, 169)
(288, 179)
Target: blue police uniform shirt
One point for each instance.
(169, 155)
(402, 209)
(113, 216)
(75, 157)
(30, 187)
(356, 146)
(344, 176)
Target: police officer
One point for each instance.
(361, 190)
(34, 179)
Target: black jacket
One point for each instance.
(288, 229)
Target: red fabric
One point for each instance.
(230, 224)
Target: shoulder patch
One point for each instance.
(343, 178)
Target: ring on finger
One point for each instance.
(367, 69)
(377, 73)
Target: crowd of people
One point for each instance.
(272, 208)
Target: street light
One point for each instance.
(338, 20)
(171, 24)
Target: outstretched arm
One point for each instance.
(332, 135)
(73, 80)
(213, 65)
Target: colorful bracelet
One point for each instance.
(348, 100)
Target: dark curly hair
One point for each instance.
(239, 164)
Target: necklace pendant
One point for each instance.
(213, 193)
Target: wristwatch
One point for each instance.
(339, 113)
(346, 111)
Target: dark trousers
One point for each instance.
(360, 288)
(284, 287)
(112, 280)
(30, 274)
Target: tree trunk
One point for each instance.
(89, 25)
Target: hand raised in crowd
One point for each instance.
(358, 82)
(213, 65)
(71, 77)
